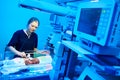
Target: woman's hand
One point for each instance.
(22, 54)
(43, 51)
(13, 50)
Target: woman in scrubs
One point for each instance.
(25, 40)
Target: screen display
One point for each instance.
(89, 20)
(94, 22)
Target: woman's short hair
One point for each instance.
(33, 19)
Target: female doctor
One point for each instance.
(25, 40)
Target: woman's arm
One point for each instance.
(13, 50)
(41, 51)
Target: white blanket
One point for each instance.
(17, 64)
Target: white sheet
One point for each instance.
(17, 64)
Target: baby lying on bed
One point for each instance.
(31, 61)
(36, 59)
(28, 61)
(18, 64)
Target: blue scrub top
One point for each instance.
(22, 43)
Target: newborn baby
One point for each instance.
(31, 61)
(17, 64)
(27, 61)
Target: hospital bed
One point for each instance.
(15, 69)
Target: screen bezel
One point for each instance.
(102, 41)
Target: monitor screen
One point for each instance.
(89, 20)
(94, 21)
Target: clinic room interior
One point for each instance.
(60, 40)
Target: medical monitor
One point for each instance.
(94, 21)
